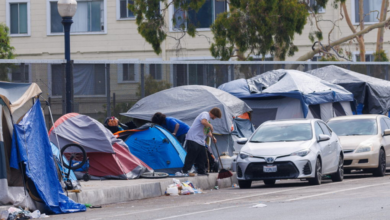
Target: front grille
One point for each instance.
(285, 170)
(239, 171)
(363, 161)
(347, 162)
(348, 151)
(307, 169)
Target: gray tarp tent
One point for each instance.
(372, 92)
(186, 102)
(16, 99)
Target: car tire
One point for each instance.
(381, 170)
(269, 182)
(339, 175)
(318, 174)
(245, 184)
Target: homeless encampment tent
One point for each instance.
(370, 92)
(22, 117)
(156, 147)
(285, 94)
(187, 102)
(109, 157)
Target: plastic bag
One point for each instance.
(4, 215)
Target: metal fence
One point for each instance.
(105, 88)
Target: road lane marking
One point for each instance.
(280, 191)
(337, 191)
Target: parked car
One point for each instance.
(365, 140)
(290, 149)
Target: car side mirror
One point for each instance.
(242, 140)
(387, 132)
(323, 137)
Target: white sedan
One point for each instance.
(290, 149)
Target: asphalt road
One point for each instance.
(359, 196)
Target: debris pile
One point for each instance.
(182, 188)
(18, 214)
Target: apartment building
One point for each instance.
(105, 30)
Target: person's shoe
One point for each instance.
(181, 174)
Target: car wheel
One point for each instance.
(339, 175)
(245, 184)
(318, 177)
(381, 170)
(269, 182)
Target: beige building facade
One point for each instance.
(104, 30)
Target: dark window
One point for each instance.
(352, 127)
(155, 70)
(384, 125)
(20, 73)
(180, 75)
(124, 10)
(261, 115)
(315, 111)
(318, 129)
(325, 128)
(338, 109)
(18, 13)
(369, 8)
(129, 72)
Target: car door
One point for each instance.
(333, 147)
(324, 148)
(385, 124)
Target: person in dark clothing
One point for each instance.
(113, 124)
(177, 127)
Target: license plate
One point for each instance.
(270, 169)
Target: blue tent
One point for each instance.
(31, 146)
(278, 89)
(156, 147)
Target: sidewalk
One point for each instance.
(116, 191)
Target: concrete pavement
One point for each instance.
(117, 191)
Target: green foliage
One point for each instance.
(6, 51)
(152, 86)
(258, 27)
(381, 56)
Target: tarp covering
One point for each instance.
(18, 93)
(157, 147)
(31, 145)
(309, 89)
(187, 102)
(109, 157)
(372, 92)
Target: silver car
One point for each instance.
(290, 149)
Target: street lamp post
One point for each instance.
(67, 9)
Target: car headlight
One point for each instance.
(364, 147)
(301, 153)
(243, 156)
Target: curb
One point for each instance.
(149, 189)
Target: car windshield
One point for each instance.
(279, 132)
(353, 127)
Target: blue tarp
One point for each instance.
(158, 149)
(309, 89)
(31, 145)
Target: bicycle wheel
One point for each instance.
(75, 154)
(154, 175)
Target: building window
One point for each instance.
(155, 70)
(18, 15)
(371, 9)
(369, 57)
(88, 18)
(203, 18)
(88, 79)
(313, 4)
(201, 74)
(128, 73)
(19, 73)
(124, 11)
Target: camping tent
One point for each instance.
(109, 158)
(284, 94)
(155, 146)
(187, 102)
(371, 92)
(15, 100)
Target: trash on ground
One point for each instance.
(259, 205)
(234, 186)
(18, 213)
(181, 174)
(182, 188)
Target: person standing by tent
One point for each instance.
(177, 127)
(113, 124)
(195, 145)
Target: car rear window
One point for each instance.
(352, 127)
(279, 132)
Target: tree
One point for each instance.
(6, 51)
(152, 86)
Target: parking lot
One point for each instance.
(359, 196)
